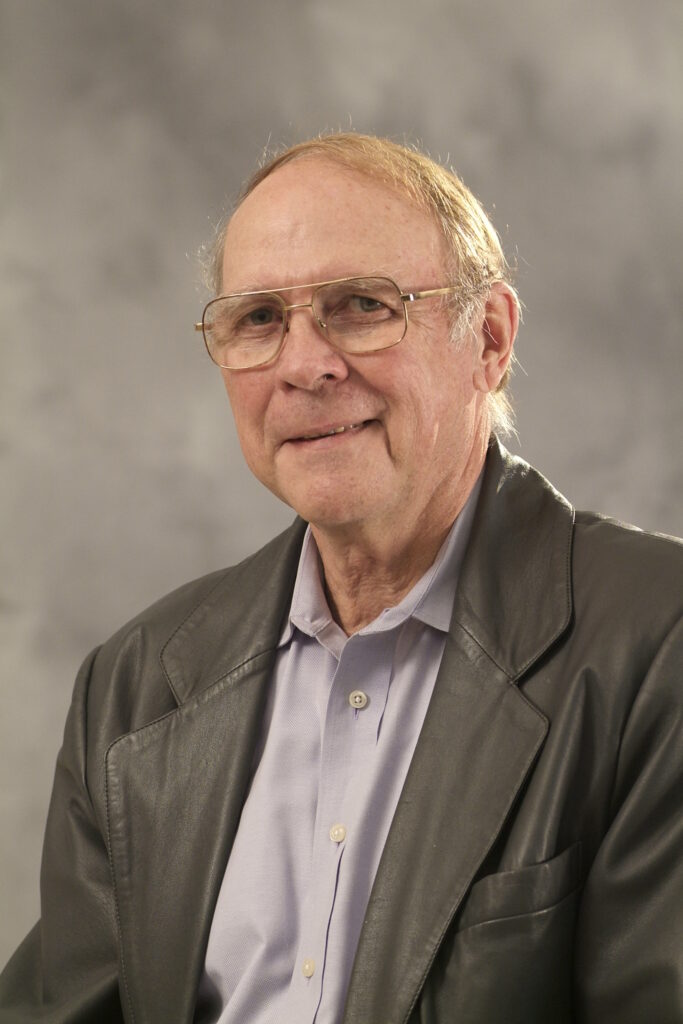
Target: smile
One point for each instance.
(331, 431)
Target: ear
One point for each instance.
(495, 338)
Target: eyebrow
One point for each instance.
(307, 284)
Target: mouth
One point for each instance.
(326, 432)
(331, 431)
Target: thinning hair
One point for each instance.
(474, 254)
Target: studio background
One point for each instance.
(127, 126)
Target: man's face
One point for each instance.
(416, 414)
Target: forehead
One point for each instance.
(313, 220)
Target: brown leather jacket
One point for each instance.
(534, 868)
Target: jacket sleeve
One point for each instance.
(629, 952)
(66, 970)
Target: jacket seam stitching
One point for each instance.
(157, 721)
(124, 976)
(512, 679)
(494, 837)
(174, 711)
(568, 601)
(613, 811)
(180, 625)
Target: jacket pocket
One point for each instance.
(523, 891)
(508, 957)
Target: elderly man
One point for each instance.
(417, 759)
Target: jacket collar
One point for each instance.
(241, 619)
(175, 788)
(514, 597)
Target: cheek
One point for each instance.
(247, 400)
(249, 405)
(446, 402)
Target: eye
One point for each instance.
(357, 304)
(255, 317)
(260, 317)
(365, 303)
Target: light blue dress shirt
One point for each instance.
(343, 718)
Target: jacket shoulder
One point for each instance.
(624, 556)
(127, 678)
(626, 582)
(164, 615)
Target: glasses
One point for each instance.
(356, 315)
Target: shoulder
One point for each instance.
(625, 542)
(127, 679)
(623, 574)
(235, 584)
(594, 584)
(608, 561)
(627, 615)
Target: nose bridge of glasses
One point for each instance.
(287, 309)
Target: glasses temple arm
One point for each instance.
(412, 296)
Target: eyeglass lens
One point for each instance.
(361, 315)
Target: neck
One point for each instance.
(369, 568)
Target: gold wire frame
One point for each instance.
(405, 297)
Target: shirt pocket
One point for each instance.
(525, 890)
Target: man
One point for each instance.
(418, 760)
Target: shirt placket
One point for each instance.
(352, 719)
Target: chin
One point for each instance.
(329, 510)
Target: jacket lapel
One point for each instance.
(479, 740)
(476, 747)
(176, 787)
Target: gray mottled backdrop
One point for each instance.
(126, 125)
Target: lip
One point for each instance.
(328, 431)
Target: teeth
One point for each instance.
(329, 433)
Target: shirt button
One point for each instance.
(337, 833)
(308, 967)
(358, 699)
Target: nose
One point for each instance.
(306, 358)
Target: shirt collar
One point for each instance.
(430, 600)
